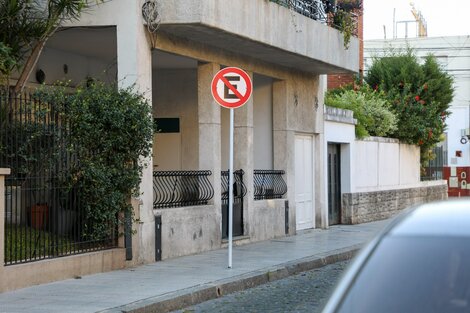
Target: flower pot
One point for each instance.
(39, 216)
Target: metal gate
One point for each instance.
(44, 213)
(334, 184)
(434, 168)
(239, 192)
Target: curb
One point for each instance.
(194, 295)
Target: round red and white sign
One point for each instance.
(231, 87)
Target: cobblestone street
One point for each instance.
(305, 292)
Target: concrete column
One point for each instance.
(3, 172)
(320, 177)
(209, 135)
(243, 155)
(135, 69)
(284, 145)
(321, 161)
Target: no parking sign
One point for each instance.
(231, 87)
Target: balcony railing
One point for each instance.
(326, 12)
(269, 184)
(181, 188)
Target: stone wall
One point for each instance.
(363, 207)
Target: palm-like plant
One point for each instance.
(26, 25)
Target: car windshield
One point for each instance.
(413, 274)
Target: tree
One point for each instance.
(7, 62)
(26, 25)
(420, 95)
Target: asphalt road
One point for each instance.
(305, 292)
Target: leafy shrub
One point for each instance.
(7, 62)
(110, 131)
(420, 95)
(370, 109)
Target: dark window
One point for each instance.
(167, 125)
(413, 274)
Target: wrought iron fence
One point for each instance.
(239, 192)
(269, 184)
(43, 216)
(181, 188)
(239, 189)
(434, 168)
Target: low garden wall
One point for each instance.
(268, 219)
(363, 207)
(189, 230)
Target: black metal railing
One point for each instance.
(239, 192)
(325, 11)
(239, 189)
(181, 188)
(269, 184)
(43, 215)
(434, 168)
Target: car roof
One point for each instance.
(443, 218)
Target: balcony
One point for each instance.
(262, 30)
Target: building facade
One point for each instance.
(170, 52)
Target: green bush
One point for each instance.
(420, 95)
(110, 130)
(7, 62)
(370, 109)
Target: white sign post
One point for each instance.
(231, 88)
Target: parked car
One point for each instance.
(420, 263)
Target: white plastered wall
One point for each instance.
(175, 96)
(383, 163)
(79, 67)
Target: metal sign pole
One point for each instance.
(231, 96)
(230, 193)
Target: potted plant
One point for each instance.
(346, 24)
(350, 5)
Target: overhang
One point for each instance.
(262, 30)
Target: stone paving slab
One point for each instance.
(184, 281)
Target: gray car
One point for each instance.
(420, 263)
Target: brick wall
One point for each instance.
(335, 81)
(461, 178)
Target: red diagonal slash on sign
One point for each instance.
(242, 99)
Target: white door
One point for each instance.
(304, 182)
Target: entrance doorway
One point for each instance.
(334, 184)
(304, 182)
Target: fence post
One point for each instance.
(3, 172)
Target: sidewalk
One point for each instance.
(180, 282)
